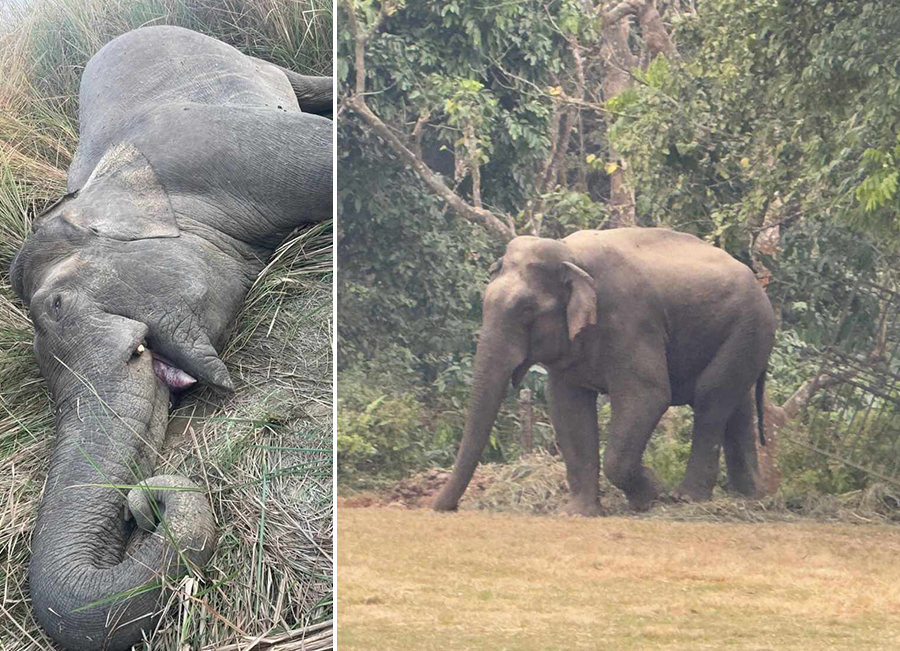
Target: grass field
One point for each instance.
(264, 455)
(420, 581)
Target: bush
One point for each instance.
(386, 427)
(806, 472)
(379, 436)
(390, 426)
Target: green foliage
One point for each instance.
(670, 446)
(381, 435)
(410, 278)
(390, 424)
(832, 64)
(772, 110)
(466, 64)
(567, 211)
(806, 472)
(879, 188)
(411, 274)
(467, 106)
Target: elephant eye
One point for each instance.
(56, 307)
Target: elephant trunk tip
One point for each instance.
(444, 503)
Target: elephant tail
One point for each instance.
(760, 392)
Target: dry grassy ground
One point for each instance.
(264, 454)
(420, 581)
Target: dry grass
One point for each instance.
(264, 454)
(420, 581)
(535, 484)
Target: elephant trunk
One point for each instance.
(95, 577)
(495, 362)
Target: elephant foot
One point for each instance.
(442, 503)
(641, 497)
(748, 487)
(642, 502)
(688, 492)
(641, 489)
(586, 508)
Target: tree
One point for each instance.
(767, 128)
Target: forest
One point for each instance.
(768, 128)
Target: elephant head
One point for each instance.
(176, 200)
(114, 303)
(537, 303)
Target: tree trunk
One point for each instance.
(618, 61)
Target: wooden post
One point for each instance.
(526, 436)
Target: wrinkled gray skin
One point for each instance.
(650, 317)
(194, 162)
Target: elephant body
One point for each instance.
(649, 317)
(194, 162)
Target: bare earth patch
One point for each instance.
(417, 580)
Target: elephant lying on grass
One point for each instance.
(650, 317)
(194, 162)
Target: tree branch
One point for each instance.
(359, 47)
(656, 36)
(617, 13)
(486, 218)
(505, 230)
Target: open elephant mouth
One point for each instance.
(96, 575)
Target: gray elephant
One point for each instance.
(194, 162)
(650, 317)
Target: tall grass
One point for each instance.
(264, 454)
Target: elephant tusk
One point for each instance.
(140, 349)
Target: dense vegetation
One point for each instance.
(769, 128)
(265, 454)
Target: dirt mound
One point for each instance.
(418, 490)
(359, 501)
(535, 483)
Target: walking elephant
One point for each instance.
(650, 317)
(194, 162)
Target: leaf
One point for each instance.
(611, 168)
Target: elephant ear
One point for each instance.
(122, 199)
(581, 310)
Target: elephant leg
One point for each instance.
(715, 401)
(635, 415)
(573, 411)
(740, 449)
(703, 462)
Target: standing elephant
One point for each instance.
(194, 162)
(650, 317)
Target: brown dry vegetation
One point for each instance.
(416, 580)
